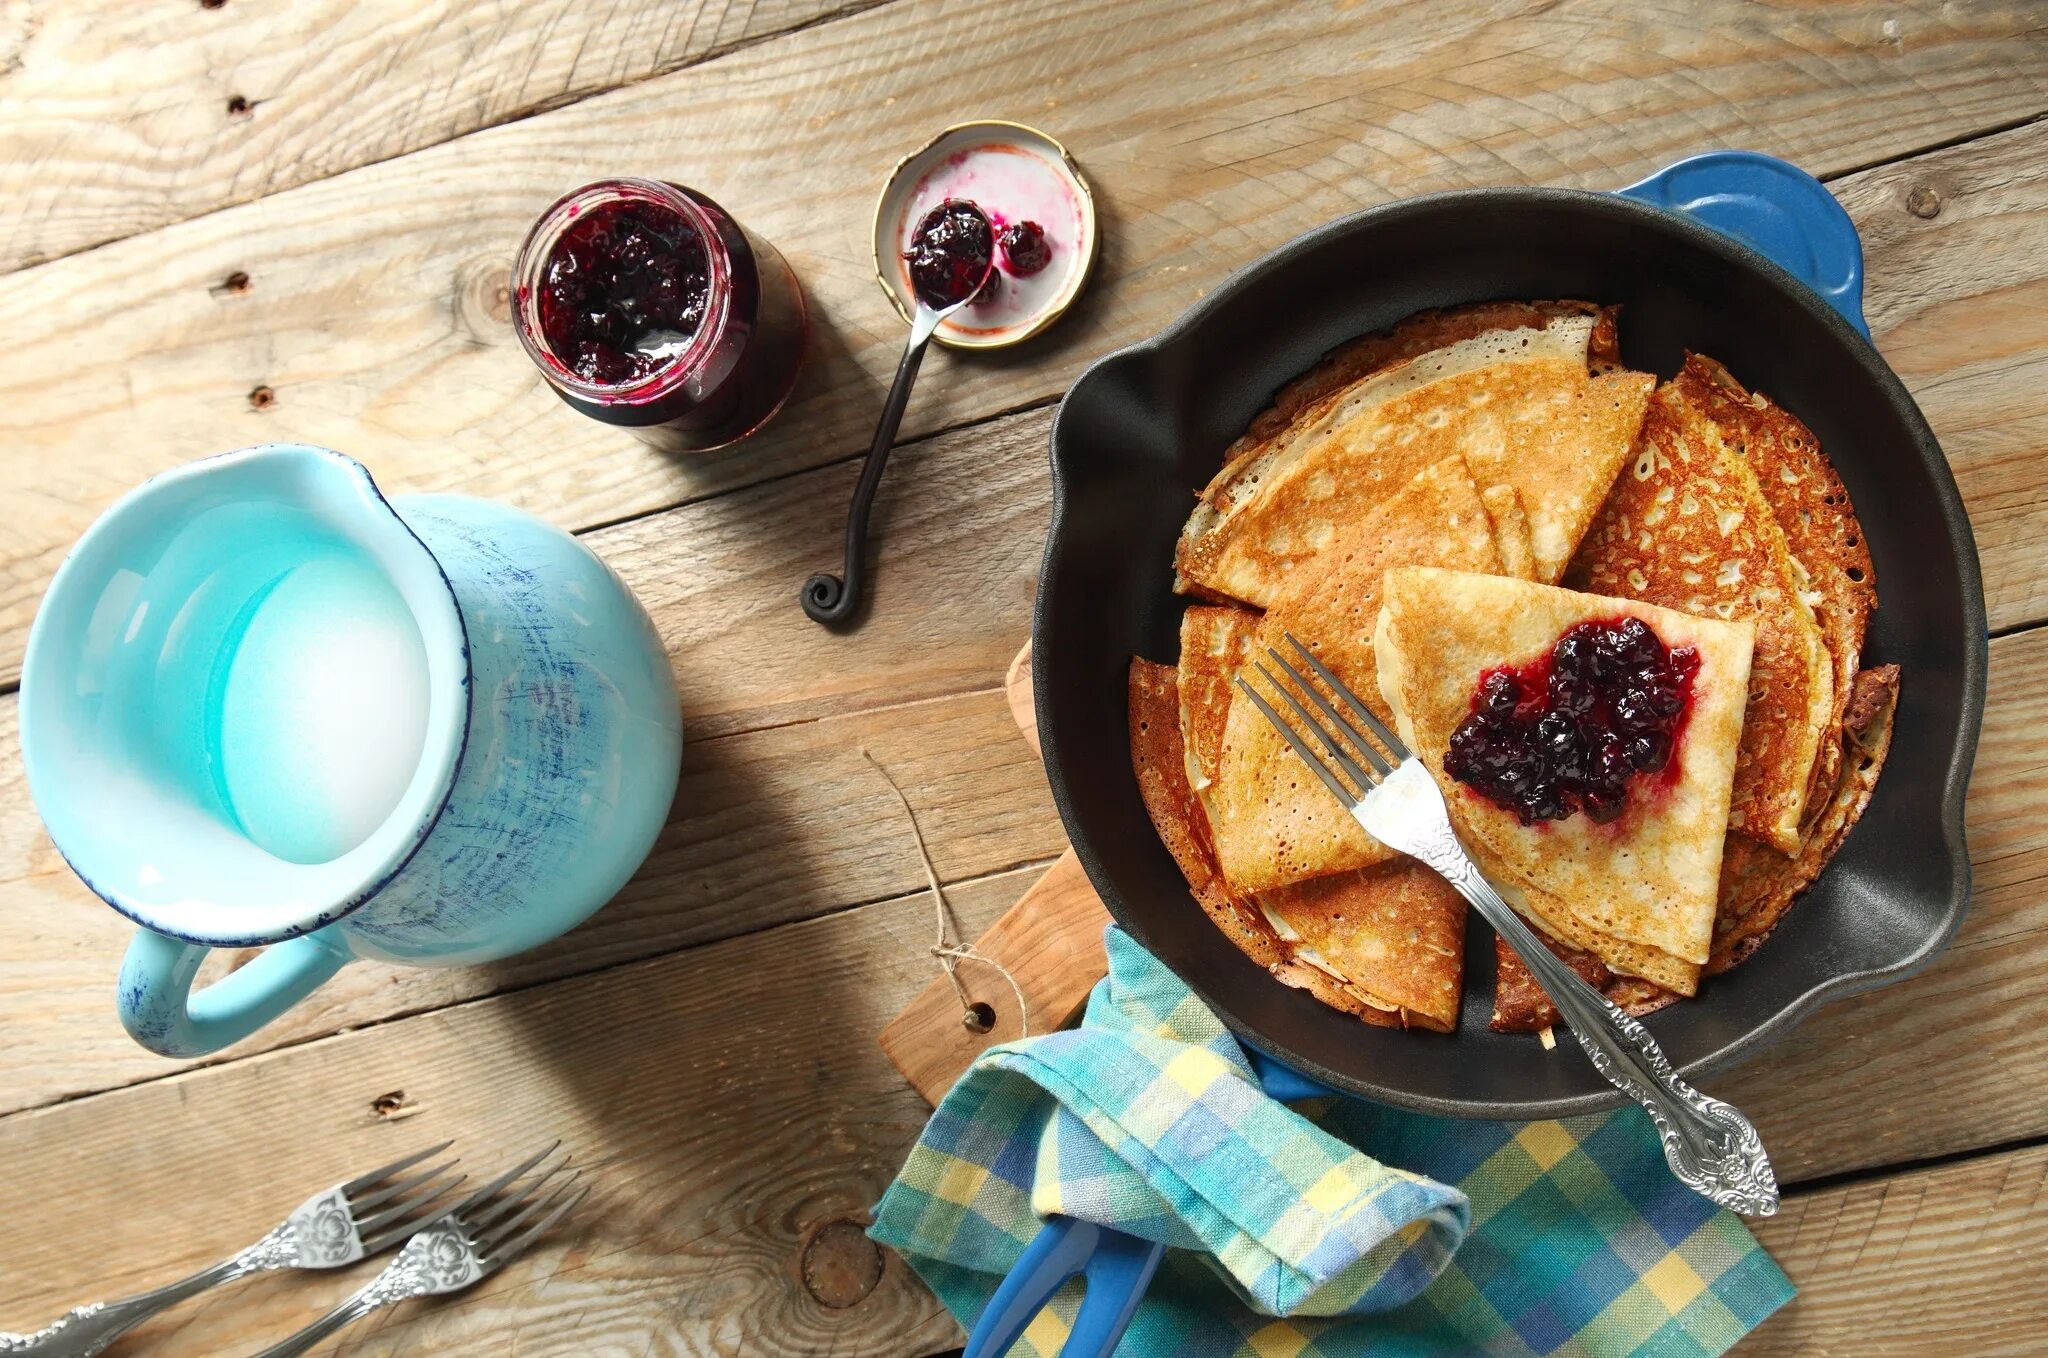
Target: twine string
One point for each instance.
(946, 949)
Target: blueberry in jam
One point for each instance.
(624, 291)
(1573, 730)
(950, 255)
(1025, 248)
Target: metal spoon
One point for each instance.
(829, 598)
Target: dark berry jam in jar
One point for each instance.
(1576, 730)
(644, 305)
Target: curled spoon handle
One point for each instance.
(832, 599)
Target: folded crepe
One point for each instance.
(1521, 405)
(1758, 883)
(1272, 823)
(1832, 573)
(1640, 892)
(1829, 555)
(1385, 946)
(1418, 334)
(1689, 525)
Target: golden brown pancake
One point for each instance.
(1272, 823)
(1688, 526)
(1519, 405)
(1393, 935)
(1758, 883)
(1520, 1006)
(1813, 510)
(1510, 531)
(1366, 932)
(1160, 765)
(1640, 892)
(1215, 641)
(1418, 334)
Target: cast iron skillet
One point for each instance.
(1141, 431)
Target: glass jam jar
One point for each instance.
(644, 305)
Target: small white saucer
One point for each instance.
(1014, 173)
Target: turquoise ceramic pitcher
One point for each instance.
(263, 705)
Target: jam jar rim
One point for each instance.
(538, 246)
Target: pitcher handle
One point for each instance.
(160, 1010)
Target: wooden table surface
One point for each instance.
(235, 222)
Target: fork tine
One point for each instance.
(477, 1198)
(358, 1206)
(1308, 756)
(1374, 724)
(509, 1225)
(1365, 747)
(1359, 776)
(479, 1222)
(514, 1247)
(357, 1185)
(395, 1217)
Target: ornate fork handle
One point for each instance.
(89, 1329)
(439, 1259)
(1711, 1147)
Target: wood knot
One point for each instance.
(234, 285)
(213, 4)
(1924, 202)
(262, 398)
(240, 107)
(393, 1105)
(840, 1265)
(483, 301)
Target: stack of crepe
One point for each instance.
(1407, 509)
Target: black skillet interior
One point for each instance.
(1145, 428)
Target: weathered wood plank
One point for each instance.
(1957, 247)
(770, 826)
(1948, 1261)
(731, 1105)
(1946, 1062)
(727, 1103)
(246, 99)
(375, 314)
(955, 543)
(784, 823)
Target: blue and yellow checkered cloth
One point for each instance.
(1500, 1238)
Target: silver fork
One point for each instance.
(333, 1228)
(460, 1248)
(1711, 1147)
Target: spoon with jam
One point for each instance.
(952, 259)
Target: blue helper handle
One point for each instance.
(1775, 208)
(1118, 1267)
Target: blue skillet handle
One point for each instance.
(1118, 1267)
(1775, 208)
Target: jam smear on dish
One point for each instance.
(1025, 248)
(624, 292)
(950, 255)
(1573, 730)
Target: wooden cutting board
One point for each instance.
(1050, 940)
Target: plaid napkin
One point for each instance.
(1502, 1238)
